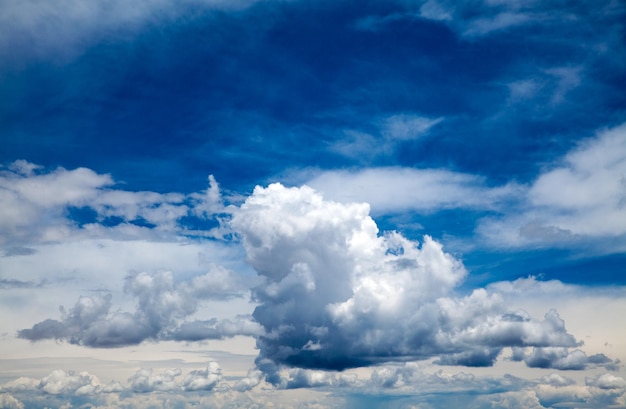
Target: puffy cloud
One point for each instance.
(556, 380)
(217, 329)
(145, 380)
(9, 402)
(203, 379)
(336, 294)
(41, 206)
(252, 379)
(162, 307)
(59, 382)
(560, 358)
(33, 204)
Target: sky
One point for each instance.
(312, 204)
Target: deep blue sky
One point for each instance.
(244, 95)
(248, 94)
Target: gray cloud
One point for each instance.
(560, 358)
(162, 308)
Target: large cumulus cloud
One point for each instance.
(337, 294)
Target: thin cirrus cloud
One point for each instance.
(63, 31)
(395, 189)
(390, 133)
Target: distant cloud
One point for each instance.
(395, 189)
(206, 386)
(390, 133)
(583, 195)
(38, 207)
(559, 358)
(162, 307)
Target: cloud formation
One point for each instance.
(583, 195)
(396, 189)
(163, 307)
(173, 387)
(43, 206)
(336, 294)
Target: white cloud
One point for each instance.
(582, 196)
(403, 127)
(203, 379)
(38, 207)
(607, 381)
(389, 190)
(336, 294)
(146, 380)
(9, 402)
(391, 132)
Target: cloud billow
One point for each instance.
(336, 294)
(162, 313)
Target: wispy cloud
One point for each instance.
(389, 190)
(581, 196)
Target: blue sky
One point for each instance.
(334, 203)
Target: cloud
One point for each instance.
(391, 132)
(607, 381)
(34, 204)
(203, 379)
(46, 206)
(161, 312)
(9, 402)
(582, 196)
(336, 294)
(395, 189)
(32, 30)
(145, 380)
(560, 358)
(414, 382)
(473, 20)
(403, 127)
